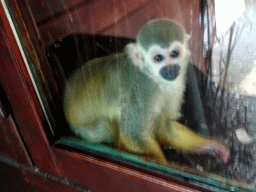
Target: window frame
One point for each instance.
(87, 171)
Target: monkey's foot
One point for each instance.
(220, 152)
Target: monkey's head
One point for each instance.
(161, 50)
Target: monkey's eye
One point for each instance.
(158, 58)
(174, 54)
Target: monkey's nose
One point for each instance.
(170, 72)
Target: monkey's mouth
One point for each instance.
(170, 72)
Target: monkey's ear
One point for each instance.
(186, 39)
(135, 53)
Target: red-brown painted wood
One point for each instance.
(41, 182)
(191, 17)
(33, 43)
(94, 17)
(23, 179)
(46, 9)
(100, 175)
(11, 144)
(15, 81)
(125, 19)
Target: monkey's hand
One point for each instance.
(220, 152)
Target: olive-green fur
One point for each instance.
(161, 32)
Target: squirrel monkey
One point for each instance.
(133, 99)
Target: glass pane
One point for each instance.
(125, 107)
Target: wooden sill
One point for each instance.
(100, 175)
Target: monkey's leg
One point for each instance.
(136, 132)
(146, 146)
(185, 140)
(98, 131)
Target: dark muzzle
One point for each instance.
(170, 72)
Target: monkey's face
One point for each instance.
(167, 63)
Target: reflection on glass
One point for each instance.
(232, 74)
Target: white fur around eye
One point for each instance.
(176, 46)
(157, 50)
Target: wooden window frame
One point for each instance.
(87, 171)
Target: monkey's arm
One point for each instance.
(185, 140)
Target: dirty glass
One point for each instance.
(59, 36)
